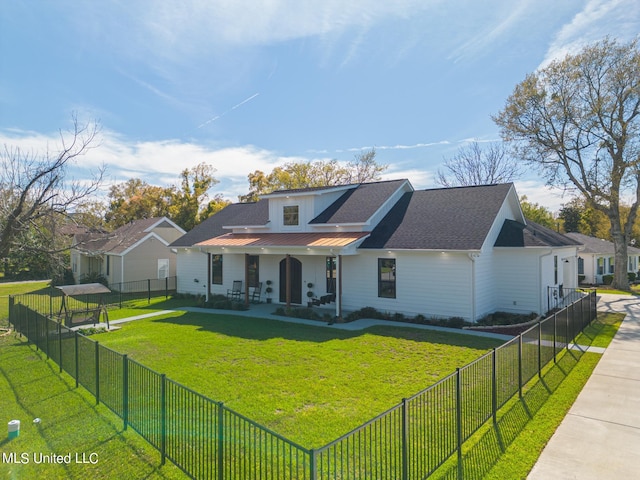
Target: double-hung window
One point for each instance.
(290, 215)
(387, 277)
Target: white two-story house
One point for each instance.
(450, 252)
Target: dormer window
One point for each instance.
(290, 215)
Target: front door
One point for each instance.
(295, 278)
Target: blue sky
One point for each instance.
(246, 85)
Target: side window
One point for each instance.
(163, 267)
(387, 277)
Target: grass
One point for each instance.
(71, 423)
(512, 447)
(7, 289)
(310, 384)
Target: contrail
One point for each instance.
(227, 111)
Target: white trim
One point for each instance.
(162, 220)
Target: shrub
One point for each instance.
(94, 277)
(221, 302)
(632, 276)
(607, 279)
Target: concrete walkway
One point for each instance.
(600, 436)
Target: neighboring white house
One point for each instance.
(451, 252)
(597, 258)
(136, 251)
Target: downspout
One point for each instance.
(339, 287)
(540, 306)
(472, 257)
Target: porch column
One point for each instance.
(208, 277)
(339, 287)
(288, 279)
(246, 279)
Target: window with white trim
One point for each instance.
(163, 267)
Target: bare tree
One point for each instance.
(578, 121)
(474, 165)
(34, 190)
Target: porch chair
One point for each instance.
(255, 294)
(236, 290)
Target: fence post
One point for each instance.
(221, 441)
(166, 287)
(26, 314)
(555, 338)
(37, 335)
(125, 390)
(520, 365)
(459, 423)
(312, 465)
(77, 362)
(148, 290)
(539, 349)
(405, 441)
(59, 345)
(494, 387)
(566, 327)
(97, 366)
(163, 417)
(46, 340)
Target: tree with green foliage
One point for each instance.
(578, 121)
(136, 199)
(192, 196)
(186, 206)
(320, 173)
(537, 213)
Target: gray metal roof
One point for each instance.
(83, 289)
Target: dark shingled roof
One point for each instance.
(358, 204)
(440, 219)
(516, 234)
(238, 214)
(597, 245)
(119, 240)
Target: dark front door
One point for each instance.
(295, 277)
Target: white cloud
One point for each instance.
(598, 18)
(175, 30)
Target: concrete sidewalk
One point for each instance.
(600, 436)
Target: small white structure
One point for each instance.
(597, 258)
(451, 252)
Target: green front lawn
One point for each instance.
(7, 289)
(310, 384)
(71, 424)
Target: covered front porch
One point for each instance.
(287, 269)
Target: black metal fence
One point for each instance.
(208, 440)
(48, 301)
